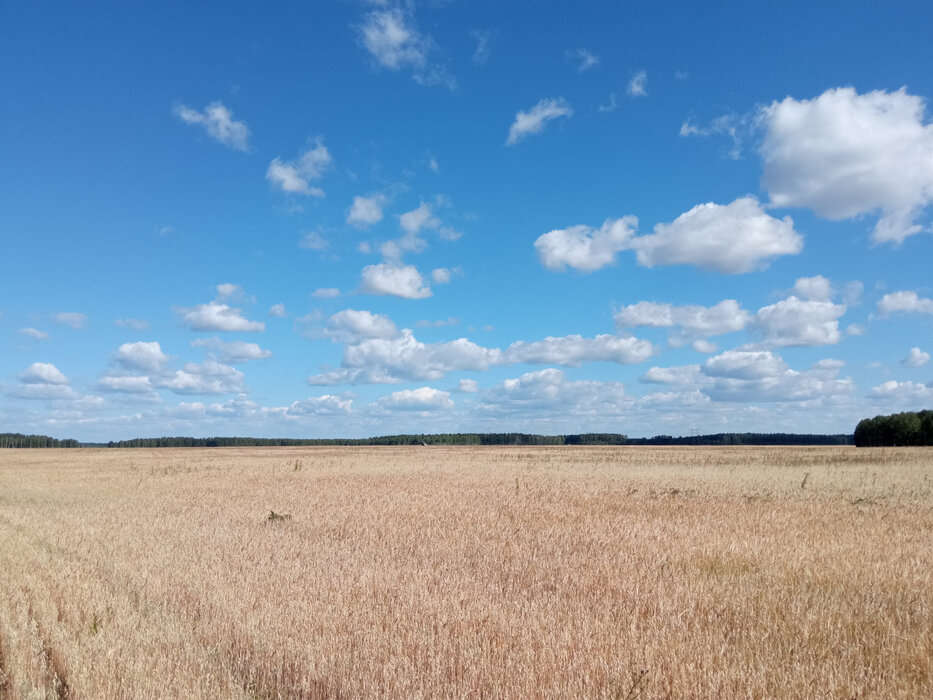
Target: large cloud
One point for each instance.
(549, 391)
(904, 302)
(691, 321)
(798, 322)
(210, 377)
(387, 360)
(731, 238)
(143, 356)
(43, 373)
(352, 326)
(756, 376)
(843, 155)
(44, 381)
(905, 393)
(377, 352)
(574, 350)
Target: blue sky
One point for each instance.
(360, 218)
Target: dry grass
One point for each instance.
(455, 572)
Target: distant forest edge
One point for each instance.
(19, 440)
(897, 429)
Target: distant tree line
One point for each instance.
(498, 439)
(896, 429)
(764, 439)
(20, 440)
(436, 439)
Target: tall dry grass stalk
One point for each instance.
(457, 572)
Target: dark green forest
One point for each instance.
(896, 429)
(18, 440)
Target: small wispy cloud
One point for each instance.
(534, 120)
(638, 85)
(313, 240)
(135, 324)
(611, 107)
(217, 120)
(294, 176)
(72, 319)
(587, 59)
(483, 37)
(33, 333)
(393, 40)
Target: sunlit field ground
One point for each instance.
(467, 572)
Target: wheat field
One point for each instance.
(506, 572)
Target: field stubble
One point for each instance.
(454, 572)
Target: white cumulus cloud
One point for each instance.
(904, 302)
(801, 323)
(916, 358)
(423, 399)
(758, 376)
(142, 356)
(691, 321)
(584, 248)
(326, 405)
(574, 350)
(43, 373)
(396, 357)
(728, 238)
(813, 288)
(548, 391)
(210, 377)
(394, 279)
(215, 316)
(366, 211)
(911, 393)
(352, 326)
(843, 155)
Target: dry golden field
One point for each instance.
(467, 572)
